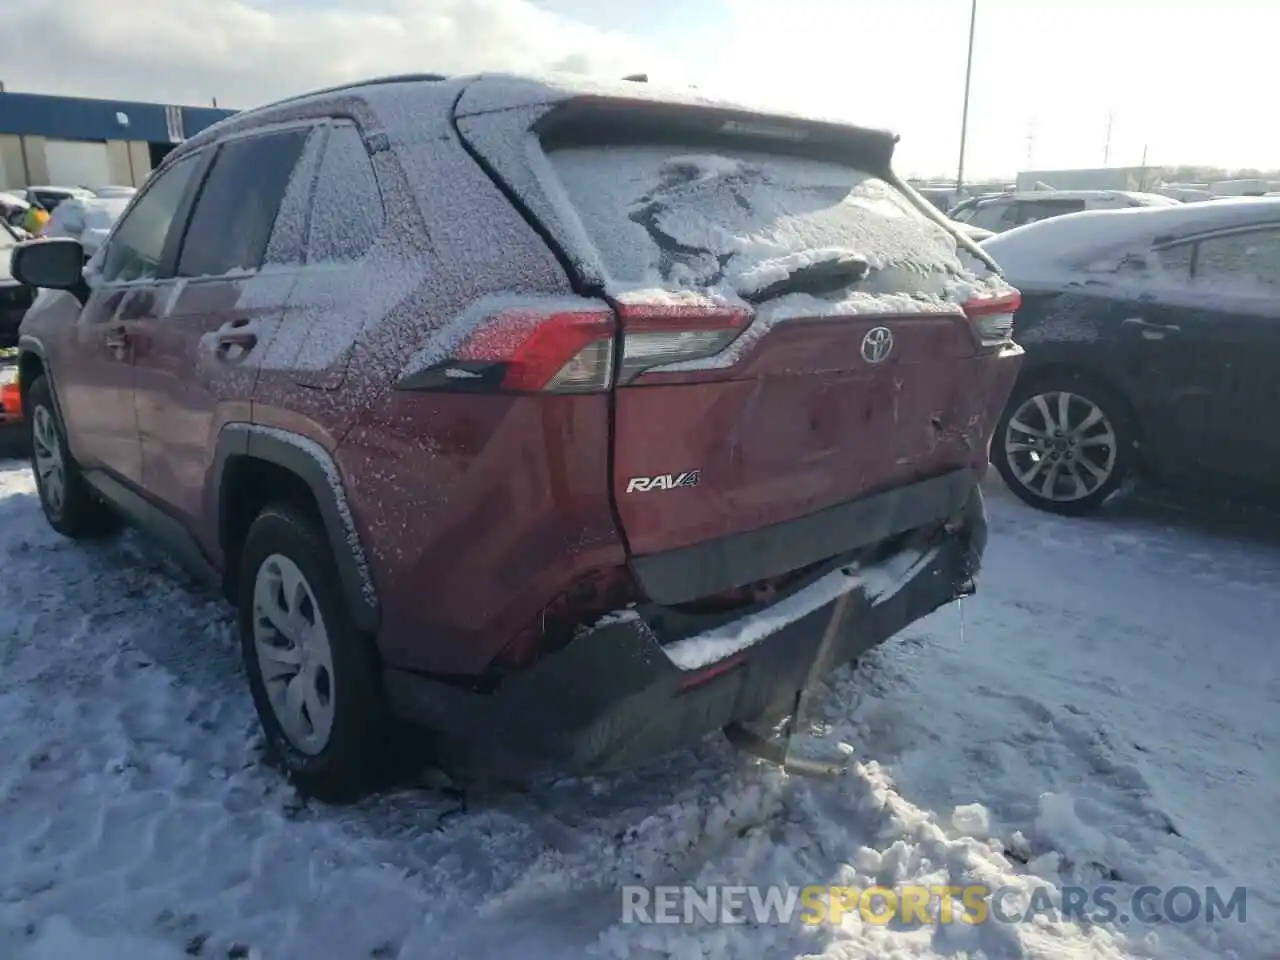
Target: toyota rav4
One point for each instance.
(554, 418)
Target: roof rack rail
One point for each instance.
(352, 85)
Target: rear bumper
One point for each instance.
(614, 697)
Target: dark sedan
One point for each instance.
(1152, 342)
(15, 297)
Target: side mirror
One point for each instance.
(55, 264)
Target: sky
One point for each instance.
(1179, 81)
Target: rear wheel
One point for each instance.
(1064, 444)
(313, 674)
(67, 500)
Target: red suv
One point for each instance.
(552, 418)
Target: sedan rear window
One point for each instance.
(737, 220)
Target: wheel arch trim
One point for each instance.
(315, 467)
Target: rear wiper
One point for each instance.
(824, 276)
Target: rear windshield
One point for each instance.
(736, 220)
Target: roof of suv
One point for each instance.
(491, 92)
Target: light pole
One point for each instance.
(964, 115)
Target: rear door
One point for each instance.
(792, 328)
(199, 352)
(1221, 330)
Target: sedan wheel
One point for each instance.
(1064, 443)
(1061, 446)
(294, 655)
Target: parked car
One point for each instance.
(14, 300)
(569, 462)
(1153, 345)
(1006, 211)
(49, 197)
(112, 191)
(976, 234)
(15, 297)
(13, 208)
(87, 219)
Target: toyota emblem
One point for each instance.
(877, 344)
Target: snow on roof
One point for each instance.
(1040, 250)
(498, 91)
(489, 92)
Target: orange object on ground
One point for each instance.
(10, 403)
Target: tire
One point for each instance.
(69, 503)
(1097, 448)
(336, 751)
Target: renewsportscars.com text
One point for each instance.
(973, 904)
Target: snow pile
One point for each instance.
(1102, 712)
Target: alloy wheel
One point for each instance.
(294, 654)
(47, 455)
(1061, 446)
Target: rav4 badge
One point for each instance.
(664, 481)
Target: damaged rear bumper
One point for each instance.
(615, 696)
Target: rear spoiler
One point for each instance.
(590, 120)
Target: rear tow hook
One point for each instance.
(777, 750)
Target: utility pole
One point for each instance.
(1031, 142)
(964, 115)
(1106, 145)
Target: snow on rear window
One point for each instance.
(735, 221)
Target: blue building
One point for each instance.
(71, 141)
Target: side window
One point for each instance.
(1250, 262)
(1031, 211)
(287, 245)
(137, 246)
(991, 216)
(1168, 264)
(346, 214)
(1175, 261)
(238, 204)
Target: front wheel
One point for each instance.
(69, 504)
(1064, 444)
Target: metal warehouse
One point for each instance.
(71, 141)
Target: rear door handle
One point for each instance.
(117, 338)
(235, 339)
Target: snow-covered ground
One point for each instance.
(1110, 702)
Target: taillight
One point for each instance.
(992, 317)
(565, 351)
(528, 350)
(656, 334)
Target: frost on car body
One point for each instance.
(520, 354)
